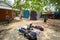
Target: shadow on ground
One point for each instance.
(3, 32)
(54, 24)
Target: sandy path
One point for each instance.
(13, 34)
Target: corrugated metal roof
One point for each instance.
(5, 6)
(1, 0)
(8, 8)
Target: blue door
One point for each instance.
(26, 14)
(56, 13)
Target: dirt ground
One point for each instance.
(51, 30)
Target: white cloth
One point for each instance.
(36, 30)
(25, 26)
(38, 15)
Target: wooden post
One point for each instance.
(45, 18)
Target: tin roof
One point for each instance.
(6, 6)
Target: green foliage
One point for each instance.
(56, 3)
(17, 4)
(36, 5)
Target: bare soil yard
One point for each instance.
(51, 30)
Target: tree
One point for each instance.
(36, 5)
(56, 3)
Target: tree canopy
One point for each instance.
(36, 5)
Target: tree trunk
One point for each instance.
(20, 15)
